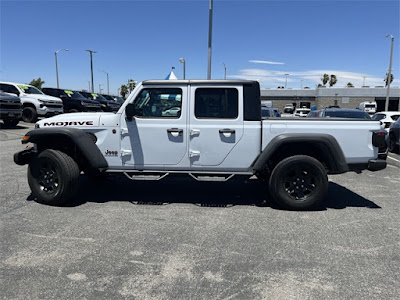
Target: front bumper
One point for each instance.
(24, 157)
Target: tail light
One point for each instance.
(378, 139)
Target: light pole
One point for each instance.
(389, 76)
(182, 60)
(364, 80)
(100, 84)
(89, 86)
(108, 83)
(91, 66)
(301, 80)
(210, 16)
(286, 79)
(55, 55)
(224, 70)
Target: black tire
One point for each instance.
(53, 177)
(392, 145)
(29, 115)
(11, 122)
(73, 110)
(298, 183)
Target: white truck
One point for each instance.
(212, 128)
(34, 103)
(368, 106)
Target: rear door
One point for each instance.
(215, 123)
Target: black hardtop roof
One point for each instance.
(199, 81)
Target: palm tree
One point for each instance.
(333, 80)
(349, 84)
(37, 83)
(325, 79)
(386, 78)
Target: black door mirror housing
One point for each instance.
(130, 111)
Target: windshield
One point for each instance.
(108, 97)
(369, 106)
(75, 95)
(119, 100)
(348, 114)
(378, 117)
(29, 89)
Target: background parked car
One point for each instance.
(313, 114)
(301, 112)
(72, 100)
(106, 105)
(394, 137)
(268, 112)
(117, 99)
(34, 103)
(386, 117)
(344, 113)
(10, 109)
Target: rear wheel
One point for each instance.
(29, 115)
(53, 177)
(298, 182)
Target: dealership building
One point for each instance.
(324, 97)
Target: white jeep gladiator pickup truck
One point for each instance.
(204, 128)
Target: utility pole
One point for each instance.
(91, 66)
(210, 16)
(55, 54)
(224, 70)
(389, 76)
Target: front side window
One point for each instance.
(216, 103)
(158, 103)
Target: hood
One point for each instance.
(41, 97)
(76, 120)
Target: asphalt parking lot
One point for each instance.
(182, 239)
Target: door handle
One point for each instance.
(175, 130)
(227, 130)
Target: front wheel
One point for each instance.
(53, 177)
(298, 182)
(29, 115)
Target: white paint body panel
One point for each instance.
(145, 143)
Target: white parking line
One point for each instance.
(393, 159)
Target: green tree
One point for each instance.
(349, 84)
(386, 78)
(325, 79)
(124, 91)
(332, 80)
(37, 83)
(131, 84)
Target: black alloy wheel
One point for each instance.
(298, 182)
(29, 115)
(53, 177)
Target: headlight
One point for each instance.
(83, 103)
(42, 101)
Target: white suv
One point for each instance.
(34, 103)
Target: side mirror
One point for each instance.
(130, 111)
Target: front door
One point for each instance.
(157, 135)
(215, 125)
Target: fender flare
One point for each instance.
(76, 136)
(322, 142)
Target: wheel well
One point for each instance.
(319, 151)
(28, 105)
(65, 145)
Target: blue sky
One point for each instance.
(142, 40)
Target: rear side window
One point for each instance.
(216, 103)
